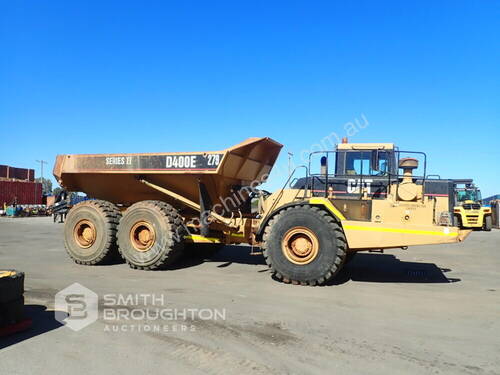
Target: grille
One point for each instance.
(472, 219)
(472, 206)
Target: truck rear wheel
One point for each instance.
(304, 245)
(487, 223)
(151, 235)
(90, 232)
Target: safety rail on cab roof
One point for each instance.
(395, 177)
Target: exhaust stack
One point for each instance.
(407, 189)
(408, 165)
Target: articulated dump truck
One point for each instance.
(150, 208)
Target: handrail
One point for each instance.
(286, 183)
(390, 176)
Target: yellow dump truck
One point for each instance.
(149, 207)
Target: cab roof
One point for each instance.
(365, 146)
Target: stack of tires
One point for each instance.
(11, 298)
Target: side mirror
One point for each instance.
(374, 161)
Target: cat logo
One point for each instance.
(356, 185)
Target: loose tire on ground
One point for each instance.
(11, 285)
(487, 223)
(151, 235)
(304, 245)
(12, 312)
(90, 232)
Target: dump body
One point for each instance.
(117, 177)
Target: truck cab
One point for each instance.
(366, 171)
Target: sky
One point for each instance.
(104, 77)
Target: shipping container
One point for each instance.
(13, 172)
(3, 171)
(25, 192)
(487, 201)
(17, 173)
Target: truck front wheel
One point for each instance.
(304, 245)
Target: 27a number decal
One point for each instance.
(213, 160)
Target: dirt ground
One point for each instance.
(430, 309)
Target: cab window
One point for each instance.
(359, 163)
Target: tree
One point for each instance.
(57, 190)
(46, 185)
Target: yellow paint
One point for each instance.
(396, 230)
(326, 202)
(198, 238)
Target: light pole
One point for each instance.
(42, 162)
(290, 156)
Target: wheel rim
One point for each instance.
(84, 233)
(300, 245)
(142, 236)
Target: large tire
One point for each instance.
(11, 285)
(314, 263)
(90, 232)
(12, 312)
(487, 223)
(151, 235)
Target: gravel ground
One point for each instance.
(431, 309)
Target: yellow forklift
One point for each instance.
(469, 211)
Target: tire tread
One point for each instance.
(334, 227)
(112, 216)
(174, 247)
